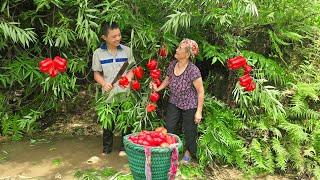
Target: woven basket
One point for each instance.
(160, 159)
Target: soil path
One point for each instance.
(56, 158)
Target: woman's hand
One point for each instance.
(153, 86)
(107, 87)
(197, 117)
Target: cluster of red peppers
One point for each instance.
(53, 67)
(135, 85)
(138, 73)
(155, 75)
(158, 137)
(246, 80)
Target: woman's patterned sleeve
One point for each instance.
(195, 73)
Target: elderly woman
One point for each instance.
(186, 95)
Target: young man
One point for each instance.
(106, 63)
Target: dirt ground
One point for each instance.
(55, 158)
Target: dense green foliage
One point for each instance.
(274, 129)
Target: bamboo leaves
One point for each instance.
(58, 36)
(177, 20)
(10, 30)
(85, 24)
(47, 4)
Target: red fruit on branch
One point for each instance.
(60, 63)
(138, 72)
(152, 64)
(123, 82)
(247, 69)
(154, 97)
(151, 107)
(250, 87)
(163, 52)
(155, 74)
(245, 80)
(236, 63)
(53, 72)
(135, 85)
(157, 82)
(53, 67)
(45, 65)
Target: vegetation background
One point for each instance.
(274, 129)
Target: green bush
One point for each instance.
(273, 129)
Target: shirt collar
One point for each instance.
(105, 47)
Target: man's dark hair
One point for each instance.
(108, 26)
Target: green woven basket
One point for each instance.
(160, 159)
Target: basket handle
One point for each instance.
(174, 162)
(147, 152)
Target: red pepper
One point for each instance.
(245, 80)
(230, 66)
(250, 87)
(135, 85)
(138, 72)
(236, 63)
(151, 107)
(154, 138)
(155, 74)
(123, 82)
(247, 69)
(152, 64)
(45, 65)
(170, 139)
(161, 130)
(60, 63)
(155, 134)
(157, 82)
(157, 141)
(163, 52)
(143, 133)
(145, 143)
(154, 97)
(164, 144)
(53, 72)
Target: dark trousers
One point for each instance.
(107, 136)
(189, 127)
(108, 140)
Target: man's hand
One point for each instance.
(107, 87)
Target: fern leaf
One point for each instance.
(281, 154)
